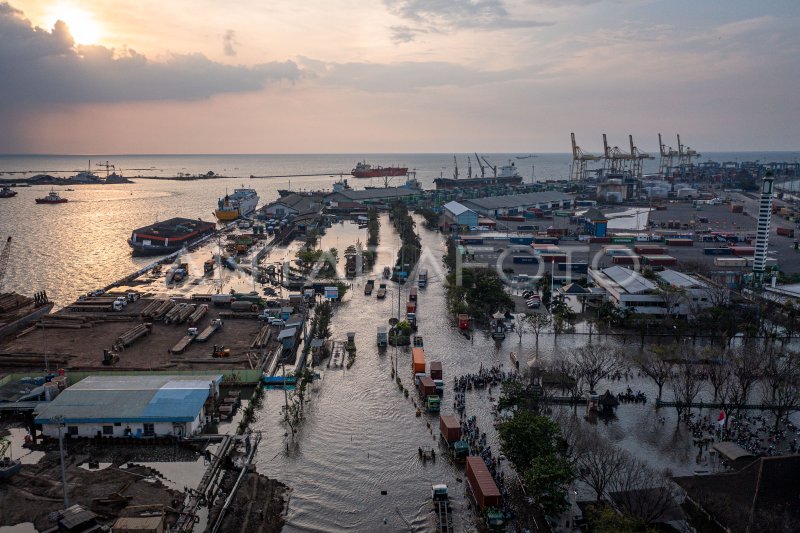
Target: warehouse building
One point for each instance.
(458, 215)
(517, 204)
(628, 289)
(138, 406)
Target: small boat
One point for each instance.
(6, 192)
(8, 465)
(51, 198)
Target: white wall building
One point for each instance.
(628, 289)
(139, 406)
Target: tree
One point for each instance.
(746, 369)
(671, 297)
(718, 370)
(520, 325)
(782, 384)
(594, 362)
(654, 364)
(603, 519)
(597, 461)
(547, 480)
(563, 315)
(538, 322)
(642, 492)
(526, 436)
(686, 383)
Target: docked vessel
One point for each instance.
(411, 183)
(506, 175)
(168, 236)
(241, 203)
(51, 198)
(6, 192)
(363, 170)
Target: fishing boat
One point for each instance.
(241, 203)
(8, 465)
(6, 192)
(364, 170)
(51, 198)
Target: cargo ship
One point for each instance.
(363, 170)
(239, 204)
(168, 236)
(507, 175)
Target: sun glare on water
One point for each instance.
(82, 25)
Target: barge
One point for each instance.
(168, 236)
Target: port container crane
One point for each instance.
(667, 158)
(637, 158)
(579, 160)
(685, 154)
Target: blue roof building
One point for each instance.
(132, 406)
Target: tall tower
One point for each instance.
(762, 235)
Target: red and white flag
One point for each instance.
(721, 418)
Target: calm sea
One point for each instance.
(72, 248)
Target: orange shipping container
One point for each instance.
(418, 359)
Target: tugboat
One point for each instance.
(6, 192)
(51, 198)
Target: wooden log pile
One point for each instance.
(262, 337)
(199, 313)
(130, 336)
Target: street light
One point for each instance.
(59, 420)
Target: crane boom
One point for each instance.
(493, 167)
(483, 169)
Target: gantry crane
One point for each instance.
(637, 159)
(685, 154)
(4, 257)
(667, 159)
(579, 159)
(616, 161)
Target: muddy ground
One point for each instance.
(36, 491)
(259, 506)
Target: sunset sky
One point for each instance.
(326, 76)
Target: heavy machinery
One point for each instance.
(110, 358)
(220, 351)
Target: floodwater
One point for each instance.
(361, 435)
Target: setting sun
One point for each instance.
(82, 25)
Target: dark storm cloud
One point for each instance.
(441, 15)
(39, 66)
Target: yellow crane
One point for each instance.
(579, 160)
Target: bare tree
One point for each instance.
(654, 363)
(718, 369)
(671, 297)
(520, 325)
(782, 384)
(641, 491)
(746, 369)
(598, 462)
(594, 362)
(685, 383)
(538, 322)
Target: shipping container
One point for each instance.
(730, 261)
(411, 307)
(527, 227)
(623, 240)
(418, 359)
(616, 249)
(520, 240)
(450, 428)
(426, 387)
(510, 218)
(557, 232)
(550, 257)
(649, 249)
(436, 370)
(743, 250)
(718, 250)
(481, 483)
(659, 260)
(244, 306)
(525, 259)
(412, 294)
(471, 240)
(599, 240)
(578, 268)
(545, 240)
(679, 242)
(786, 232)
(625, 259)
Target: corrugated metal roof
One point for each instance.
(516, 200)
(630, 280)
(679, 279)
(108, 399)
(456, 208)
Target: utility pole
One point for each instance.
(59, 420)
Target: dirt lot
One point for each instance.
(259, 505)
(36, 491)
(83, 348)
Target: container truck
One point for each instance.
(418, 359)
